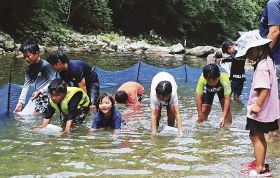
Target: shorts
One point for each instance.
(207, 97)
(41, 102)
(237, 87)
(261, 127)
(278, 78)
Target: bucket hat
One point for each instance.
(249, 40)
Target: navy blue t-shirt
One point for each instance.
(114, 122)
(271, 17)
(77, 70)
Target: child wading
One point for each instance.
(211, 82)
(263, 104)
(107, 116)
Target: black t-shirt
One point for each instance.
(237, 70)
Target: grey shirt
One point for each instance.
(41, 73)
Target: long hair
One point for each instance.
(266, 52)
(100, 98)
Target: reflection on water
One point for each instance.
(204, 151)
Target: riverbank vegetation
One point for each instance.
(199, 22)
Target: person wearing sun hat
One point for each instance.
(263, 103)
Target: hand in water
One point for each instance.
(18, 107)
(222, 122)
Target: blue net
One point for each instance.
(139, 72)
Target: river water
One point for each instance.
(204, 151)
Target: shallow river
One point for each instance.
(204, 151)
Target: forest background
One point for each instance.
(200, 22)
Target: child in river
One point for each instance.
(39, 72)
(263, 104)
(210, 83)
(107, 116)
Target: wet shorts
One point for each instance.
(261, 127)
(237, 87)
(41, 102)
(207, 97)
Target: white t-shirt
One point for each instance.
(163, 76)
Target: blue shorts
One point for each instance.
(237, 87)
(207, 97)
(93, 92)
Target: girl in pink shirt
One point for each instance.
(263, 104)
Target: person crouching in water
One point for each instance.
(107, 116)
(263, 104)
(210, 83)
(130, 93)
(71, 102)
(164, 94)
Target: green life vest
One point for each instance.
(64, 104)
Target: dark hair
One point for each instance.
(164, 88)
(121, 96)
(226, 45)
(30, 46)
(266, 51)
(211, 71)
(58, 86)
(56, 57)
(103, 95)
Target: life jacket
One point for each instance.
(64, 104)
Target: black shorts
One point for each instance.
(261, 127)
(237, 87)
(207, 97)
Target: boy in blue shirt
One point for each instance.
(78, 73)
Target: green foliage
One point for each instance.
(112, 36)
(91, 15)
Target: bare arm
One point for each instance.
(178, 120)
(82, 85)
(199, 107)
(67, 128)
(262, 95)
(226, 106)
(273, 34)
(154, 121)
(44, 123)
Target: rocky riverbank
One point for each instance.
(70, 41)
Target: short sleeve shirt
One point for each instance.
(264, 77)
(113, 122)
(163, 76)
(224, 81)
(271, 17)
(132, 89)
(77, 70)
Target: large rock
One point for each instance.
(6, 42)
(177, 49)
(201, 51)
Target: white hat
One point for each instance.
(249, 40)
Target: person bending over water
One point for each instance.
(71, 102)
(164, 94)
(211, 82)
